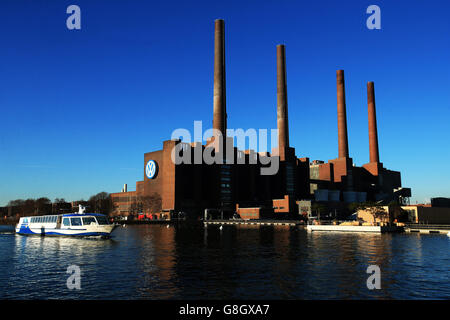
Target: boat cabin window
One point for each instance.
(75, 221)
(88, 220)
(66, 222)
(101, 220)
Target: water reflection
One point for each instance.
(238, 262)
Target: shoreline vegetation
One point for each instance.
(10, 214)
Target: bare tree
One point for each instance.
(101, 203)
(378, 212)
(152, 203)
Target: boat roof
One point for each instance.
(69, 215)
(82, 214)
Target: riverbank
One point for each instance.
(138, 222)
(9, 221)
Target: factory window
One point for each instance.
(75, 221)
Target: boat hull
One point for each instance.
(88, 231)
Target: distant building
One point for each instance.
(428, 214)
(419, 213)
(228, 188)
(440, 202)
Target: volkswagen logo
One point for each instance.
(151, 169)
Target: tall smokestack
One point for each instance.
(220, 112)
(282, 112)
(342, 115)
(373, 132)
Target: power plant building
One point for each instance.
(169, 188)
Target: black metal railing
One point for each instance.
(427, 226)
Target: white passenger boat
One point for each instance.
(73, 224)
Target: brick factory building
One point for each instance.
(238, 186)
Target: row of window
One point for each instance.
(76, 221)
(85, 221)
(46, 219)
(123, 199)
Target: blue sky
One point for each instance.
(80, 108)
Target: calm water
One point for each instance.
(190, 262)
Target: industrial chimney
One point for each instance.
(373, 133)
(342, 115)
(282, 112)
(220, 112)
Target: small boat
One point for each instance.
(72, 224)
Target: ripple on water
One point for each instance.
(188, 262)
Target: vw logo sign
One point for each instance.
(151, 169)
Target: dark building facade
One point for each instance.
(238, 185)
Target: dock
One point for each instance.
(291, 223)
(349, 228)
(428, 228)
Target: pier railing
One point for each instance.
(427, 226)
